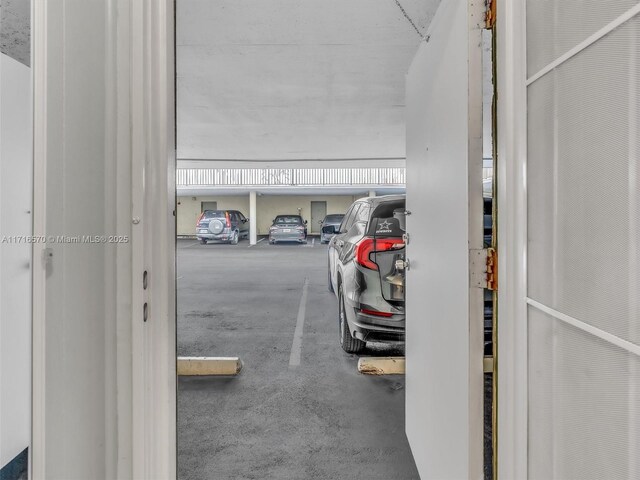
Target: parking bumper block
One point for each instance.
(381, 365)
(201, 366)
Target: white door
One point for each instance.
(583, 225)
(318, 212)
(444, 195)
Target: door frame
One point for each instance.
(511, 360)
(140, 81)
(150, 38)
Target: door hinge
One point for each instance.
(492, 269)
(488, 365)
(483, 268)
(490, 14)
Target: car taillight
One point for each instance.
(226, 214)
(367, 246)
(199, 218)
(301, 228)
(376, 313)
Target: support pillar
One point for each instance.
(253, 220)
(372, 193)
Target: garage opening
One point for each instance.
(290, 134)
(292, 229)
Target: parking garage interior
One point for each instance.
(285, 108)
(292, 116)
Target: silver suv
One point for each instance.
(222, 225)
(366, 272)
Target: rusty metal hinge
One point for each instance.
(492, 269)
(490, 15)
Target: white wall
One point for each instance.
(15, 258)
(268, 206)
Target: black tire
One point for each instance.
(203, 241)
(347, 342)
(234, 239)
(329, 284)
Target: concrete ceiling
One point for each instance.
(294, 79)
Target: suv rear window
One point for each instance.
(383, 223)
(334, 218)
(213, 214)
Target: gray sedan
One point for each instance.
(288, 228)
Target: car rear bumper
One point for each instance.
(371, 328)
(287, 237)
(373, 332)
(224, 236)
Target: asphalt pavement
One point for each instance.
(299, 410)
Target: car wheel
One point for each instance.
(234, 239)
(347, 342)
(329, 284)
(203, 241)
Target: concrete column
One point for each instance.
(253, 220)
(372, 193)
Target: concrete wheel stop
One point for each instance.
(209, 366)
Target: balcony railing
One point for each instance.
(280, 177)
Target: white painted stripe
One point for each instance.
(181, 276)
(192, 244)
(262, 239)
(313, 242)
(296, 346)
(604, 335)
(628, 15)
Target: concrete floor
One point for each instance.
(318, 420)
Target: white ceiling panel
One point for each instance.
(294, 79)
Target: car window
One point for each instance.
(333, 218)
(350, 218)
(283, 219)
(363, 213)
(383, 222)
(241, 217)
(234, 216)
(213, 214)
(344, 219)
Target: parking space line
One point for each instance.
(192, 244)
(296, 346)
(262, 239)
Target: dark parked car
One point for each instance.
(367, 270)
(326, 232)
(288, 228)
(222, 225)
